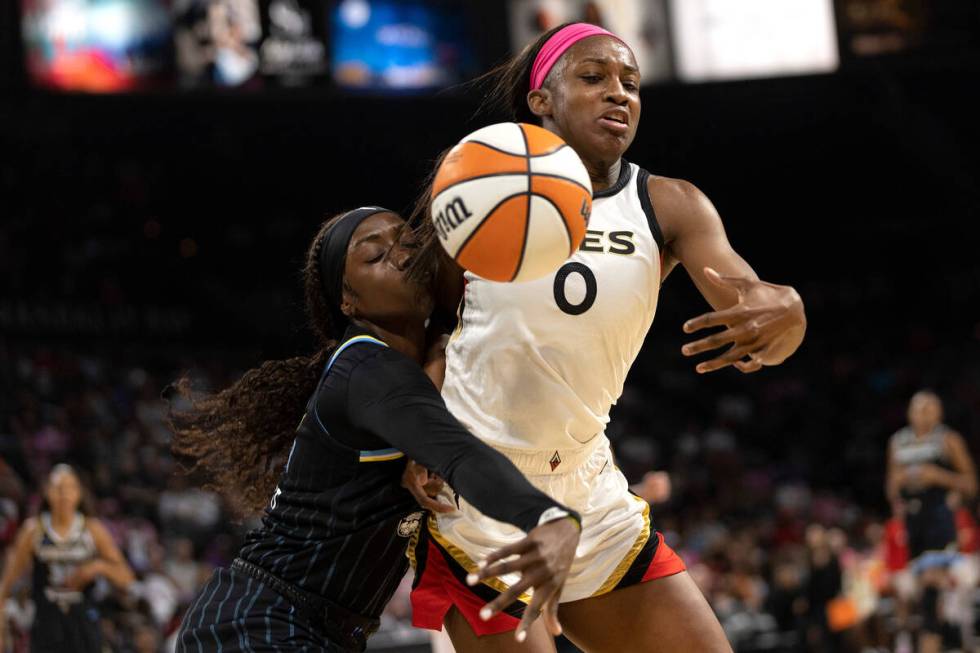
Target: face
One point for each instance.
(64, 492)
(376, 286)
(925, 411)
(592, 99)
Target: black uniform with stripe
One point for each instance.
(929, 522)
(66, 620)
(339, 522)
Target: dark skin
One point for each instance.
(591, 99)
(925, 413)
(597, 82)
(378, 296)
(64, 494)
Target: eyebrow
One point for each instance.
(376, 235)
(606, 60)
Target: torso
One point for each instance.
(538, 365)
(909, 451)
(56, 557)
(339, 522)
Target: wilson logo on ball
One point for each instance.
(511, 201)
(451, 217)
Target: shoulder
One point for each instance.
(898, 437)
(31, 527)
(30, 532)
(95, 526)
(680, 205)
(955, 441)
(371, 360)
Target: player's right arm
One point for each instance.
(391, 397)
(963, 477)
(18, 563)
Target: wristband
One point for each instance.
(555, 513)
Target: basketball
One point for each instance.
(510, 202)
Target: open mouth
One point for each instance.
(616, 122)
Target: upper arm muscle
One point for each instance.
(695, 237)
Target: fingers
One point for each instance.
(730, 316)
(499, 569)
(742, 334)
(730, 357)
(531, 613)
(516, 548)
(550, 616)
(748, 367)
(433, 486)
(434, 505)
(506, 598)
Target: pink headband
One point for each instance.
(558, 45)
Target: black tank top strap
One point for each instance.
(643, 190)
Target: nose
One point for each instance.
(616, 93)
(399, 256)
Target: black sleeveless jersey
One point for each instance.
(911, 450)
(339, 521)
(55, 560)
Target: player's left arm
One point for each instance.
(765, 321)
(963, 477)
(111, 564)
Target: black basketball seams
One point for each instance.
(526, 148)
(547, 175)
(564, 222)
(484, 219)
(527, 211)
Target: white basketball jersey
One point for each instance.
(537, 365)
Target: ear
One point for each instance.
(540, 102)
(348, 300)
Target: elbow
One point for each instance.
(970, 490)
(124, 577)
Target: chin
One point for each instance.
(610, 147)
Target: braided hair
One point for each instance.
(240, 437)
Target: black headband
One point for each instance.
(333, 258)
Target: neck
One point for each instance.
(408, 338)
(923, 430)
(61, 520)
(602, 174)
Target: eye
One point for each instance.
(631, 86)
(592, 79)
(376, 258)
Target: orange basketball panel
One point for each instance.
(573, 202)
(540, 141)
(469, 160)
(494, 249)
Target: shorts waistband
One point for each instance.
(348, 628)
(552, 462)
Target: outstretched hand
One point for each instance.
(543, 558)
(765, 326)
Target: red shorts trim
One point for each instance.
(439, 586)
(437, 589)
(665, 562)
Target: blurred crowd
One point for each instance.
(776, 500)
